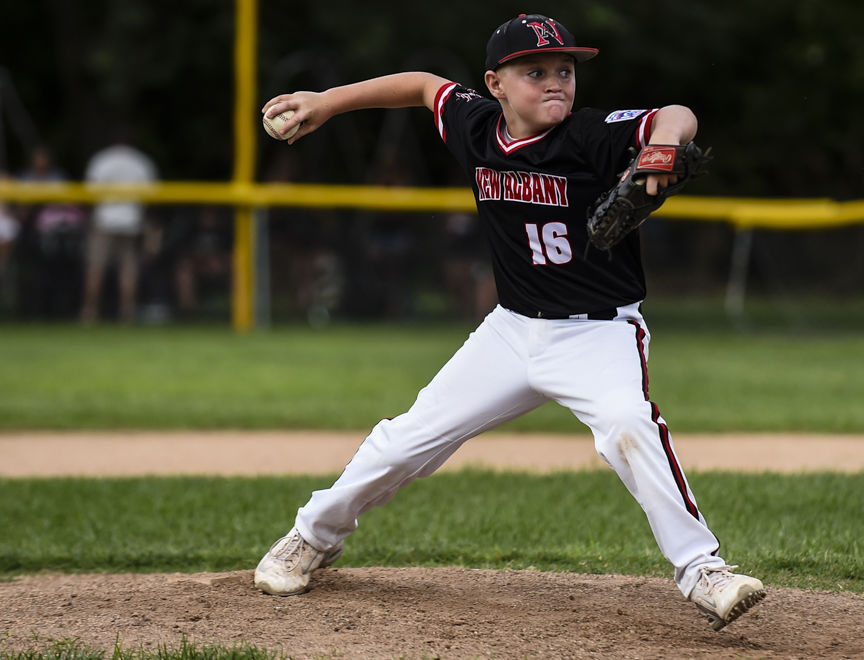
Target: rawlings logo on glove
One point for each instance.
(626, 205)
(657, 157)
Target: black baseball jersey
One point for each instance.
(532, 197)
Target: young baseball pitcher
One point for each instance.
(568, 326)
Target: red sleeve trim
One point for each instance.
(438, 109)
(643, 132)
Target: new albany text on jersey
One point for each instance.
(526, 187)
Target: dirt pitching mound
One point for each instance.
(423, 613)
(412, 612)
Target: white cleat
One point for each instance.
(286, 568)
(724, 596)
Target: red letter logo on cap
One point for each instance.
(546, 31)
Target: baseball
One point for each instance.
(273, 124)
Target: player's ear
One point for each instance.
(493, 84)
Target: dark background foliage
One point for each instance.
(778, 86)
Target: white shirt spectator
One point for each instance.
(120, 164)
(9, 226)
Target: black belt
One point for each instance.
(599, 315)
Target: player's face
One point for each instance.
(536, 92)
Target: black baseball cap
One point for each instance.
(532, 33)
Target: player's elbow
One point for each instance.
(687, 121)
(678, 122)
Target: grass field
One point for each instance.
(799, 531)
(704, 376)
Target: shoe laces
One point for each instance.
(288, 550)
(717, 577)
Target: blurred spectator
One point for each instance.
(41, 167)
(48, 248)
(9, 228)
(60, 228)
(115, 230)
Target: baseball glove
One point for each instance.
(626, 205)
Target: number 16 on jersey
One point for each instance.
(549, 243)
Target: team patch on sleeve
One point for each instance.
(622, 115)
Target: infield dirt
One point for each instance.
(415, 612)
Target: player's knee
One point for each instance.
(618, 422)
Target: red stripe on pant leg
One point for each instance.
(643, 361)
(677, 473)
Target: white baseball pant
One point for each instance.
(508, 366)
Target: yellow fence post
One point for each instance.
(245, 86)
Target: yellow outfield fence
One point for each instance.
(751, 213)
(742, 213)
(247, 194)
